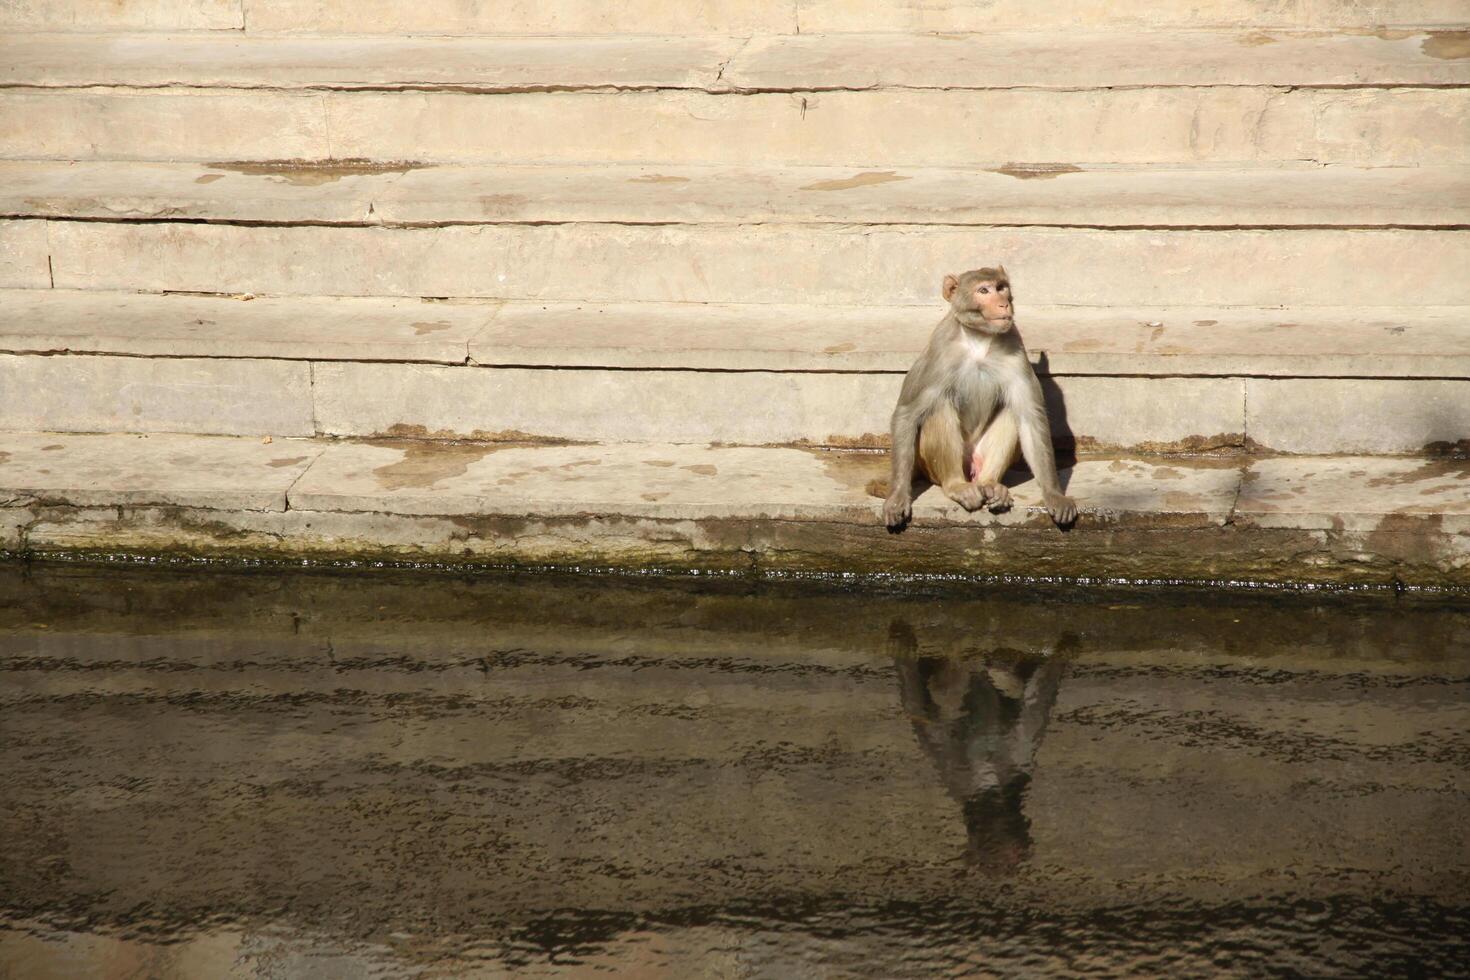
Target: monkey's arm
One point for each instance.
(904, 429)
(1023, 394)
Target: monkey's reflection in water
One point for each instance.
(981, 720)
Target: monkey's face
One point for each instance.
(981, 300)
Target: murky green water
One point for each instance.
(211, 775)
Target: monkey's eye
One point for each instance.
(984, 290)
(1003, 287)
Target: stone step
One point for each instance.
(1324, 97)
(814, 264)
(752, 511)
(1293, 380)
(717, 64)
(1327, 342)
(491, 17)
(340, 193)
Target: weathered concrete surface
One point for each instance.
(1351, 342)
(272, 396)
(874, 129)
(754, 407)
(819, 16)
(140, 394)
(476, 64)
(58, 468)
(1073, 59)
(665, 506)
(600, 405)
(1064, 60)
(23, 255)
(317, 327)
(112, 15)
(519, 17)
(371, 194)
(1367, 416)
(1354, 493)
(1063, 340)
(693, 483)
(767, 264)
(101, 124)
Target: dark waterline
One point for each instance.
(331, 775)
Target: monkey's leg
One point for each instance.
(994, 453)
(942, 454)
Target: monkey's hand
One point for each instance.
(897, 510)
(1063, 509)
(997, 497)
(967, 495)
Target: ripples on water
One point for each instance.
(212, 775)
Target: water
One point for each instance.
(270, 775)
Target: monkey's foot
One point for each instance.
(1062, 509)
(896, 511)
(997, 496)
(967, 495)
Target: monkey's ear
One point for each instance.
(950, 285)
(1003, 274)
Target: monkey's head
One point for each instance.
(981, 299)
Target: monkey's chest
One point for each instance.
(975, 392)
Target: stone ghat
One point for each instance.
(1303, 520)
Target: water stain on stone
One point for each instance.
(289, 461)
(423, 327)
(703, 469)
(868, 440)
(1179, 500)
(1460, 447)
(652, 497)
(581, 462)
(1412, 538)
(1447, 45)
(404, 430)
(658, 462)
(499, 204)
(1285, 326)
(208, 178)
(1256, 39)
(52, 448)
(1188, 444)
(839, 348)
(658, 179)
(311, 173)
(856, 471)
(427, 463)
(865, 179)
(1037, 171)
(1205, 323)
(1382, 33)
(1167, 473)
(1429, 469)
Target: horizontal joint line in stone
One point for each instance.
(614, 89)
(519, 365)
(825, 223)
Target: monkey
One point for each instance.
(967, 404)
